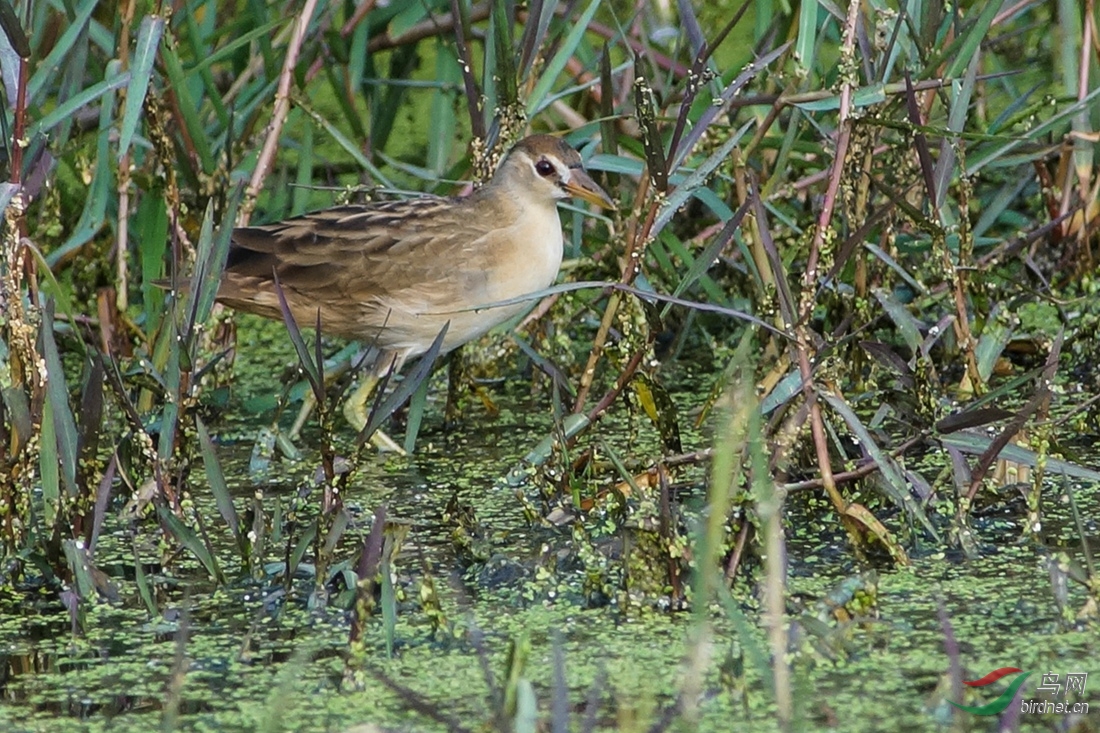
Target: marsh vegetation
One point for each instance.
(802, 438)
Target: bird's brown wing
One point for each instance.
(345, 259)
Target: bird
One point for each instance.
(391, 274)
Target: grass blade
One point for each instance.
(691, 27)
(728, 94)
(80, 568)
(806, 41)
(213, 251)
(709, 254)
(61, 413)
(349, 147)
(300, 548)
(216, 479)
(537, 101)
(541, 12)
(145, 588)
(190, 123)
(190, 540)
(654, 148)
(907, 325)
(152, 27)
(415, 417)
(895, 483)
(505, 67)
(970, 42)
(698, 67)
(103, 496)
(696, 179)
(95, 203)
(305, 358)
(13, 33)
(956, 121)
(920, 140)
(47, 67)
(609, 143)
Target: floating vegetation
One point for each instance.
(803, 436)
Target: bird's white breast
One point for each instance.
(529, 255)
(525, 258)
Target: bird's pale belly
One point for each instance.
(412, 317)
(412, 330)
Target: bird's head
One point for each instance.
(547, 166)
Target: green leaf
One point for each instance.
(68, 108)
(80, 568)
(896, 485)
(537, 101)
(145, 588)
(991, 344)
(907, 325)
(696, 179)
(503, 69)
(408, 385)
(807, 35)
(388, 600)
(862, 97)
(977, 442)
(972, 39)
(190, 540)
(698, 266)
(245, 39)
(956, 121)
(213, 250)
(188, 108)
(216, 478)
(141, 69)
(999, 156)
(300, 551)
(305, 359)
(151, 229)
(94, 213)
(417, 404)
(350, 148)
(64, 424)
(441, 124)
(48, 67)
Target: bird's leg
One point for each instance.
(348, 359)
(309, 402)
(357, 411)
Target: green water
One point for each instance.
(254, 660)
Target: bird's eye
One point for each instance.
(544, 168)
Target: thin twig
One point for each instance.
(434, 26)
(121, 242)
(282, 109)
(19, 130)
(632, 266)
(804, 341)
